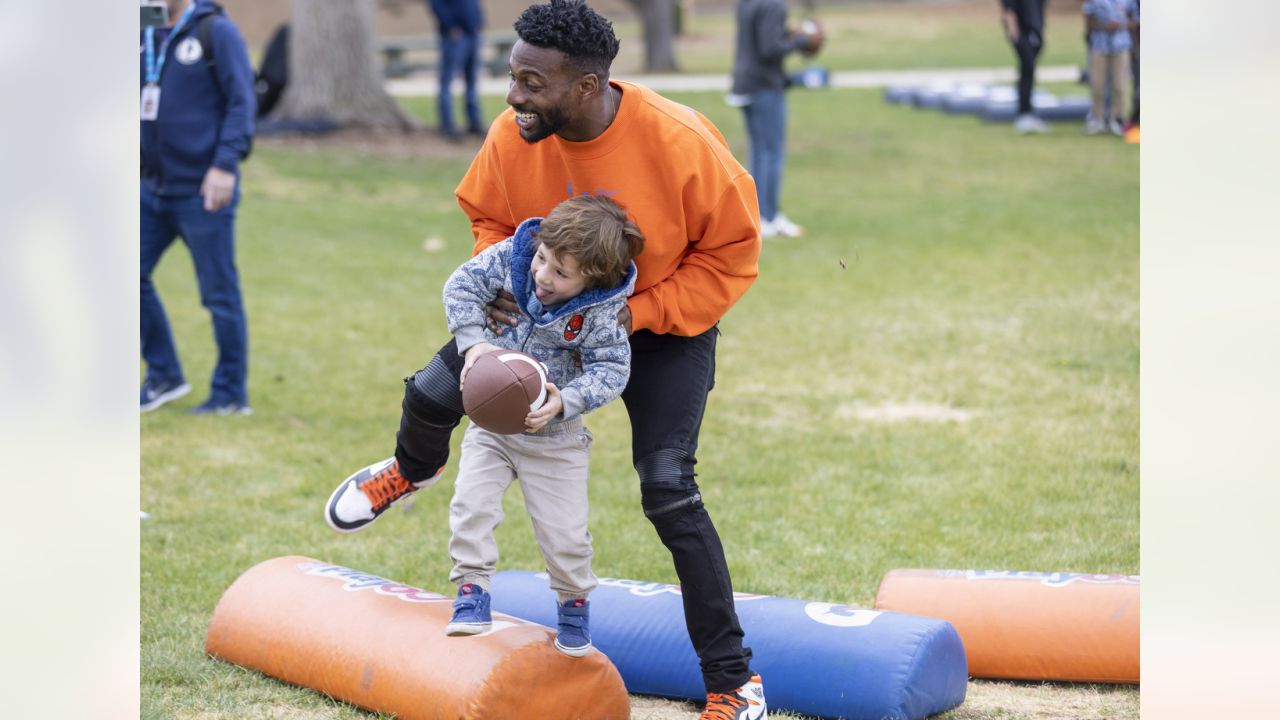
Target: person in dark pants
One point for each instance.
(759, 88)
(197, 124)
(1131, 131)
(459, 22)
(1024, 26)
(572, 130)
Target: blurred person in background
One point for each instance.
(459, 22)
(1024, 26)
(1109, 22)
(1131, 131)
(759, 88)
(197, 107)
(273, 74)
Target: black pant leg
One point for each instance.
(665, 399)
(1028, 49)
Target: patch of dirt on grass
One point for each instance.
(651, 708)
(896, 412)
(258, 712)
(984, 700)
(997, 700)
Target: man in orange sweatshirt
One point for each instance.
(571, 130)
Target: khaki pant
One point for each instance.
(552, 468)
(1116, 68)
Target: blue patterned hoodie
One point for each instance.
(588, 356)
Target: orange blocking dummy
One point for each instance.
(1029, 625)
(382, 645)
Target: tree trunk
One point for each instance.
(658, 19)
(334, 73)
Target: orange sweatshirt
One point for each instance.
(670, 168)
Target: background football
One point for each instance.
(501, 388)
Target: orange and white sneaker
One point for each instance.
(745, 703)
(361, 498)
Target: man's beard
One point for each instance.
(549, 123)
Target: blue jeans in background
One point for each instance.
(210, 236)
(459, 54)
(766, 117)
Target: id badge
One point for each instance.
(150, 102)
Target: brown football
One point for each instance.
(502, 387)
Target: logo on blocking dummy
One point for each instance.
(356, 580)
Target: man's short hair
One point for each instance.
(574, 29)
(597, 233)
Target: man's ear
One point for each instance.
(588, 85)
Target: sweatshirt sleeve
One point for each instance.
(484, 200)
(720, 266)
(606, 365)
(472, 286)
(235, 77)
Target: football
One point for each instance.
(502, 387)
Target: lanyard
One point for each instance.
(153, 67)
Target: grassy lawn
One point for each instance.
(948, 265)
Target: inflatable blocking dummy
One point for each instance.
(381, 645)
(816, 658)
(1045, 106)
(1029, 625)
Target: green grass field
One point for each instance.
(949, 265)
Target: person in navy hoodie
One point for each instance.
(197, 107)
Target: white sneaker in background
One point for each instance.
(783, 227)
(1116, 127)
(767, 229)
(1094, 126)
(1028, 123)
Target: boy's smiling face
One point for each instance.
(556, 279)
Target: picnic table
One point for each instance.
(408, 54)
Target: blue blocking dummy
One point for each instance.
(816, 658)
(1045, 106)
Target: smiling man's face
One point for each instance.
(543, 91)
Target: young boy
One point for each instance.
(1108, 22)
(571, 274)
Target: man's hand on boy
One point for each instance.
(469, 359)
(624, 318)
(549, 410)
(503, 311)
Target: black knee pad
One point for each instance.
(432, 394)
(432, 408)
(666, 482)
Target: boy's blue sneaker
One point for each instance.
(470, 611)
(158, 392)
(573, 631)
